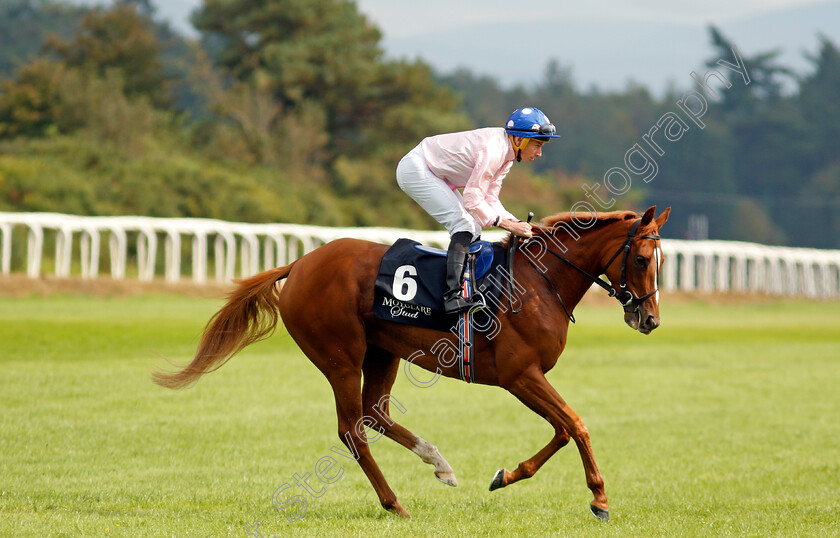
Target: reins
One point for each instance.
(625, 297)
(513, 245)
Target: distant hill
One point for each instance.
(610, 53)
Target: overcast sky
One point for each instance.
(605, 43)
(415, 17)
(408, 18)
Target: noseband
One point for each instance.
(625, 297)
(629, 301)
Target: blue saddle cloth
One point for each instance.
(483, 261)
(411, 282)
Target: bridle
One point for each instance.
(629, 302)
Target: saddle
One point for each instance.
(410, 283)
(479, 257)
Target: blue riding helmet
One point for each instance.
(530, 122)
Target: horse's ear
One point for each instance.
(647, 218)
(663, 218)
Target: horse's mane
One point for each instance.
(585, 216)
(547, 224)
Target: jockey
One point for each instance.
(476, 161)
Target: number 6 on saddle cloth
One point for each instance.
(410, 282)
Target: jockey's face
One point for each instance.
(532, 151)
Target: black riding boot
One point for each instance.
(456, 256)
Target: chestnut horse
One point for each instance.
(326, 305)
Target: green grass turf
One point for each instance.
(723, 422)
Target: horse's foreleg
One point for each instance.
(534, 390)
(529, 467)
(380, 370)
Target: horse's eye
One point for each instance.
(641, 261)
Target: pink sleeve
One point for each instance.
(492, 197)
(481, 193)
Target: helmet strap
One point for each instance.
(522, 145)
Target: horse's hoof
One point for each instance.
(498, 480)
(399, 510)
(600, 513)
(447, 478)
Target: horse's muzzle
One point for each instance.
(650, 323)
(641, 321)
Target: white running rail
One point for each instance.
(241, 250)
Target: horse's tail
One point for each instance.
(250, 315)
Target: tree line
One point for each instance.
(289, 111)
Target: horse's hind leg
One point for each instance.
(319, 304)
(380, 370)
(348, 400)
(343, 370)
